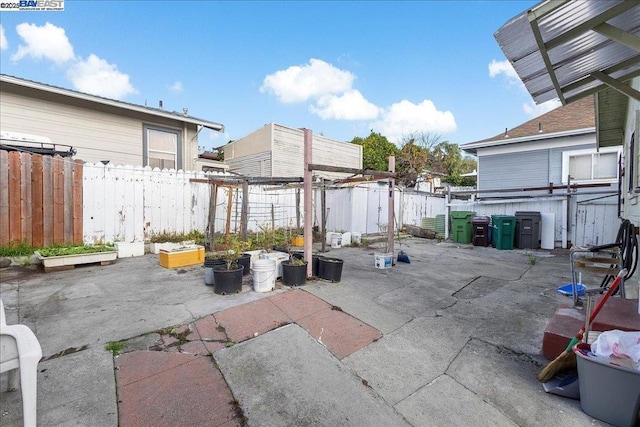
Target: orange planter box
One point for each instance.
(182, 257)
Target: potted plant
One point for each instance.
(211, 260)
(294, 272)
(315, 260)
(227, 277)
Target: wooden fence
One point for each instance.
(40, 199)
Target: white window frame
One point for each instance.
(572, 153)
(145, 142)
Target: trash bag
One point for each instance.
(618, 344)
(403, 257)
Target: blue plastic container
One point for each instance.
(567, 289)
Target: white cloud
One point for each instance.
(348, 106)
(176, 87)
(504, 68)
(534, 110)
(49, 42)
(98, 77)
(405, 117)
(312, 80)
(3, 40)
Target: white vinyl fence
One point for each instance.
(129, 204)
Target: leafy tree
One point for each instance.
(415, 156)
(376, 150)
(449, 158)
(411, 161)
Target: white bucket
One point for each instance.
(356, 237)
(330, 235)
(383, 261)
(346, 239)
(336, 241)
(264, 275)
(278, 257)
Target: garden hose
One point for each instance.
(627, 241)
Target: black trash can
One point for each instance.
(527, 230)
(480, 230)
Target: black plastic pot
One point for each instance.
(314, 261)
(209, 263)
(294, 275)
(245, 261)
(227, 281)
(330, 268)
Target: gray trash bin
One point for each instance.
(527, 230)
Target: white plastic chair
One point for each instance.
(20, 351)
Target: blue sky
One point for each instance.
(337, 68)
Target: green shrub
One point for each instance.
(74, 250)
(16, 250)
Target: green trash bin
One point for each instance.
(461, 230)
(504, 231)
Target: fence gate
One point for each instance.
(596, 223)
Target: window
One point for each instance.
(591, 165)
(162, 147)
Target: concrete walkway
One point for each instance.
(453, 338)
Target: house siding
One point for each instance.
(96, 135)
(288, 153)
(255, 165)
(285, 149)
(256, 142)
(514, 170)
(631, 207)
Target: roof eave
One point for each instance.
(472, 147)
(110, 102)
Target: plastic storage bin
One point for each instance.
(504, 227)
(461, 226)
(480, 226)
(528, 230)
(608, 392)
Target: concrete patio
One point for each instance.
(453, 338)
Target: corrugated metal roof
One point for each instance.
(570, 49)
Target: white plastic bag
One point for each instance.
(619, 344)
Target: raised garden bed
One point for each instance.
(182, 257)
(56, 259)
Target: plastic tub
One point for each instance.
(608, 392)
(567, 289)
(383, 261)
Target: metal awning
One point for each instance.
(569, 49)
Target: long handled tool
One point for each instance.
(567, 358)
